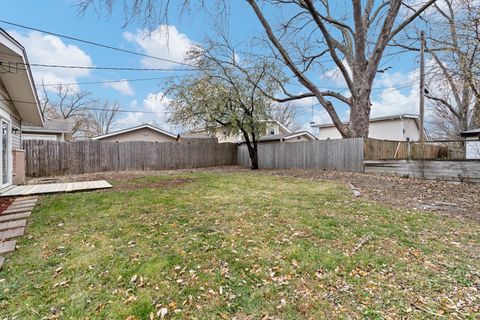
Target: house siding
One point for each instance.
(16, 137)
(396, 129)
(143, 134)
(224, 137)
(9, 108)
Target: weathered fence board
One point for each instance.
(50, 158)
(465, 171)
(341, 155)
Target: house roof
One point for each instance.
(142, 126)
(52, 126)
(286, 136)
(470, 133)
(279, 124)
(17, 78)
(376, 119)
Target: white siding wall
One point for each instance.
(223, 137)
(473, 149)
(396, 129)
(14, 118)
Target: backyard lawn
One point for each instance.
(238, 245)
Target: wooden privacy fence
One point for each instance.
(341, 155)
(50, 158)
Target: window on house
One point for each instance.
(272, 130)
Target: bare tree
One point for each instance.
(353, 34)
(104, 117)
(286, 114)
(68, 103)
(47, 109)
(454, 90)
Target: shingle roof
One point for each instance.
(52, 125)
(145, 125)
(284, 136)
(471, 132)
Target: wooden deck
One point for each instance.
(33, 189)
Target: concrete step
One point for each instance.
(7, 246)
(14, 216)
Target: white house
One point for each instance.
(472, 143)
(398, 128)
(19, 106)
(274, 132)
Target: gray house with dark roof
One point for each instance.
(54, 129)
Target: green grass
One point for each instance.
(238, 245)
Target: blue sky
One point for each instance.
(396, 90)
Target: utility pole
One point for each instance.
(422, 86)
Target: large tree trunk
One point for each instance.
(253, 153)
(360, 115)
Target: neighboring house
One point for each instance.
(54, 129)
(144, 132)
(288, 137)
(273, 127)
(400, 127)
(19, 106)
(472, 143)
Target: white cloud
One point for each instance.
(122, 86)
(164, 42)
(153, 102)
(47, 49)
(400, 94)
(335, 75)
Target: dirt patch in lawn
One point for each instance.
(455, 199)
(135, 184)
(5, 203)
(113, 176)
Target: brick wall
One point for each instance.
(18, 166)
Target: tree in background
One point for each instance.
(286, 114)
(454, 46)
(353, 34)
(104, 117)
(223, 97)
(89, 118)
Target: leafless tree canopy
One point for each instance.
(104, 117)
(89, 119)
(351, 34)
(453, 45)
(286, 114)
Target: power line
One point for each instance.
(9, 63)
(95, 43)
(107, 81)
(95, 109)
